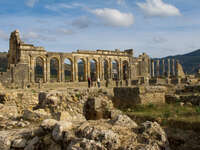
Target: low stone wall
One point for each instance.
(130, 96)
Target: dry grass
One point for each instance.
(167, 114)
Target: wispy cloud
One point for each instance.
(3, 35)
(82, 22)
(158, 8)
(31, 3)
(113, 17)
(60, 6)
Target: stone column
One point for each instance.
(85, 70)
(100, 66)
(59, 70)
(152, 67)
(32, 70)
(168, 72)
(87, 67)
(150, 71)
(45, 71)
(102, 70)
(173, 67)
(163, 69)
(75, 70)
(62, 69)
(158, 68)
(110, 68)
(48, 69)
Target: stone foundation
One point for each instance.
(130, 96)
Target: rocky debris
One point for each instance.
(98, 108)
(60, 129)
(20, 99)
(93, 134)
(48, 124)
(124, 120)
(36, 115)
(6, 123)
(151, 131)
(8, 111)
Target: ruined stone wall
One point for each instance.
(21, 53)
(131, 96)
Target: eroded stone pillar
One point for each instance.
(48, 69)
(152, 67)
(62, 70)
(150, 71)
(99, 70)
(110, 68)
(163, 67)
(158, 68)
(87, 67)
(75, 66)
(45, 71)
(168, 72)
(173, 67)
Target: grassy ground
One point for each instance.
(186, 117)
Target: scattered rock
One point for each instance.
(60, 129)
(124, 120)
(48, 124)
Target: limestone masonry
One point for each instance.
(24, 59)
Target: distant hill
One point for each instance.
(189, 61)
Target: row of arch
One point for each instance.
(81, 68)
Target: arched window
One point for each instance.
(115, 70)
(105, 65)
(54, 69)
(81, 70)
(68, 69)
(125, 70)
(93, 70)
(39, 69)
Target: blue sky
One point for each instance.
(157, 27)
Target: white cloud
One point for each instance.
(113, 17)
(31, 3)
(158, 8)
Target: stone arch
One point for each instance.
(54, 69)
(93, 69)
(68, 69)
(115, 69)
(81, 69)
(125, 70)
(39, 69)
(105, 69)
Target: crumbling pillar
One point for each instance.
(150, 71)
(152, 67)
(158, 68)
(87, 68)
(163, 67)
(62, 69)
(48, 69)
(173, 67)
(110, 68)
(168, 72)
(75, 66)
